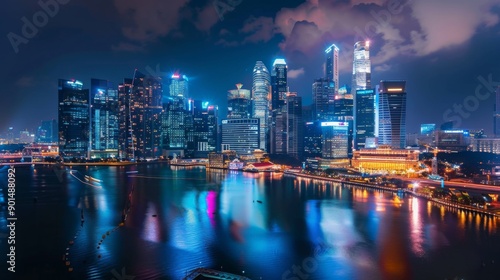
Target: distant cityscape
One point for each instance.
(147, 117)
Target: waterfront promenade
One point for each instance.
(489, 212)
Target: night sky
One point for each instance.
(439, 47)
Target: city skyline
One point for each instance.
(458, 69)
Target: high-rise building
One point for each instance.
(312, 139)
(323, 91)
(278, 144)
(47, 132)
(239, 103)
(201, 134)
(427, 128)
(176, 118)
(240, 135)
(452, 140)
(332, 65)
(335, 140)
(343, 111)
(104, 118)
(279, 84)
(74, 121)
(361, 67)
(364, 117)
(261, 93)
(173, 125)
(179, 86)
(125, 139)
(294, 132)
(392, 114)
(496, 114)
(139, 113)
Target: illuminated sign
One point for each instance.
(394, 89)
(175, 76)
(204, 105)
(75, 83)
(366, 91)
(331, 48)
(454, 131)
(334, 124)
(224, 121)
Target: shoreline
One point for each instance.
(395, 190)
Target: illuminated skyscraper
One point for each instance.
(332, 65)
(279, 84)
(240, 135)
(294, 127)
(74, 121)
(392, 114)
(364, 117)
(361, 67)
(201, 132)
(323, 91)
(335, 140)
(47, 133)
(179, 86)
(139, 114)
(175, 118)
(261, 92)
(104, 118)
(496, 114)
(239, 103)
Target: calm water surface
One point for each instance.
(263, 226)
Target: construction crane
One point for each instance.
(434, 159)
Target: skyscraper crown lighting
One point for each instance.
(279, 61)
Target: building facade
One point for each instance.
(140, 116)
(332, 65)
(364, 117)
(385, 160)
(104, 118)
(323, 93)
(392, 114)
(335, 140)
(239, 103)
(261, 93)
(73, 119)
(47, 132)
(361, 67)
(240, 135)
(279, 84)
(294, 126)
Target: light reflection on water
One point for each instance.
(182, 218)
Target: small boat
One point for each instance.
(259, 201)
(88, 178)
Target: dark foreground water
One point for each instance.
(262, 226)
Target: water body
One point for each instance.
(262, 226)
